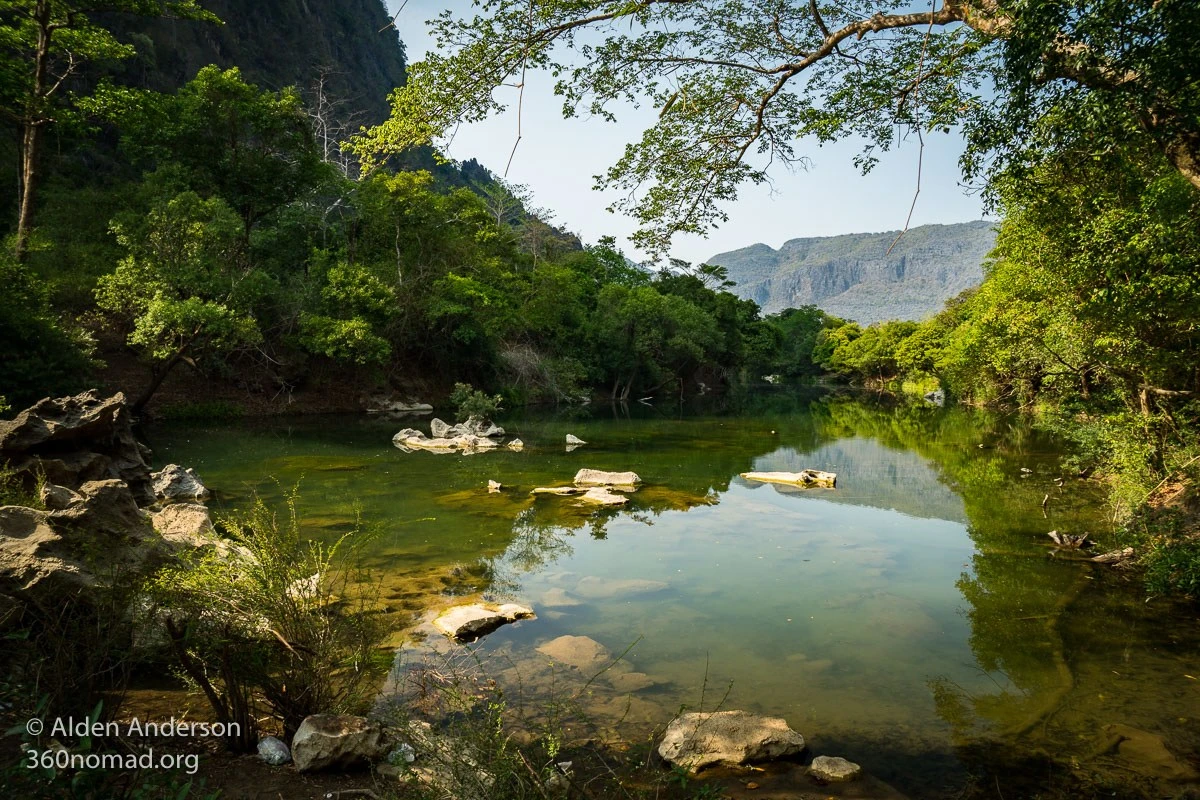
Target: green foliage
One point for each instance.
(274, 617)
(471, 402)
(39, 355)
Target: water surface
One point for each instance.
(915, 619)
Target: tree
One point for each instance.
(43, 45)
(185, 291)
(253, 148)
(737, 83)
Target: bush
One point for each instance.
(275, 619)
(471, 402)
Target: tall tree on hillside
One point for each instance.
(43, 44)
(737, 82)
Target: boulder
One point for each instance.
(516, 445)
(468, 623)
(477, 426)
(597, 477)
(601, 496)
(184, 525)
(804, 478)
(730, 738)
(273, 751)
(337, 741)
(834, 769)
(73, 440)
(174, 483)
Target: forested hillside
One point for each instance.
(856, 277)
(349, 45)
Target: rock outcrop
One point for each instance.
(729, 738)
(411, 439)
(74, 440)
(48, 556)
(337, 741)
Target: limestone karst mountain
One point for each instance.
(854, 277)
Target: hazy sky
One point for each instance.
(557, 159)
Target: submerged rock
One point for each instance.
(581, 652)
(336, 741)
(807, 477)
(468, 623)
(173, 483)
(731, 738)
(834, 769)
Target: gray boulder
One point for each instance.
(337, 741)
(174, 483)
(273, 751)
(184, 525)
(730, 738)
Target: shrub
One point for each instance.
(274, 619)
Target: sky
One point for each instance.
(557, 159)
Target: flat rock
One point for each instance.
(336, 741)
(468, 623)
(559, 598)
(581, 652)
(631, 681)
(697, 740)
(834, 769)
(597, 477)
(807, 477)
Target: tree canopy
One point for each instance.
(738, 82)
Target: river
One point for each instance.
(916, 619)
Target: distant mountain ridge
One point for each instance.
(854, 277)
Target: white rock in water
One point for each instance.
(807, 477)
(273, 751)
(732, 738)
(597, 477)
(468, 623)
(516, 445)
(572, 439)
(494, 486)
(834, 769)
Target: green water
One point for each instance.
(914, 619)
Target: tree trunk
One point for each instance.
(156, 379)
(33, 129)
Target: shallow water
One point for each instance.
(914, 619)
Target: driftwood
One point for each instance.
(1073, 541)
(1114, 556)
